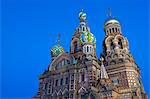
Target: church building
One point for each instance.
(80, 74)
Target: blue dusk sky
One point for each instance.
(30, 28)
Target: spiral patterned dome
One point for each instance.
(57, 50)
(82, 16)
(87, 37)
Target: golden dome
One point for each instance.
(111, 21)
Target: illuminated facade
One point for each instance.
(79, 74)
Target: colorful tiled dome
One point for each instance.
(87, 37)
(57, 50)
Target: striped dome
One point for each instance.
(56, 50)
(87, 37)
(82, 15)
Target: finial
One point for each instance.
(58, 41)
(82, 10)
(109, 12)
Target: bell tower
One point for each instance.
(119, 62)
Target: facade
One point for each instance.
(79, 74)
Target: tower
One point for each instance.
(88, 67)
(119, 62)
(83, 41)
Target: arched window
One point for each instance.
(113, 29)
(110, 30)
(116, 29)
(67, 80)
(75, 47)
(56, 83)
(112, 45)
(83, 28)
(82, 77)
(120, 43)
(61, 81)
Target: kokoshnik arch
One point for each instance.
(79, 74)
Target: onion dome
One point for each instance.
(57, 50)
(82, 16)
(87, 37)
(111, 21)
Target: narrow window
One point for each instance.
(110, 30)
(75, 47)
(90, 48)
(120, 43)
(46, 86)
(66, 80)
(116, 29)
(61, 81)
(113, 30)
(83, 28)
(82, 78)
(56, 83)
(87, 49)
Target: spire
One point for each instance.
(58, 41)
(109, 13)
(103, 70)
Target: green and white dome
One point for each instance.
(82, 15)
(56, 50)
(87, 37)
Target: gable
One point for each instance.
(60, 61)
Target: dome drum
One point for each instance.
(112, 26)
